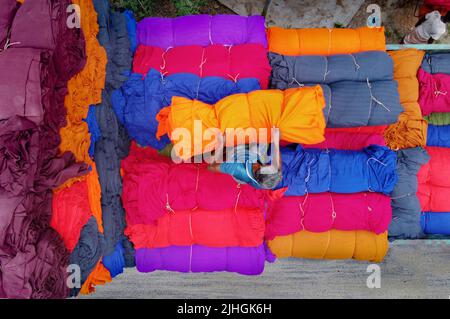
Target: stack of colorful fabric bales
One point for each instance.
(88, 116)
(434, 181)
(336, 204)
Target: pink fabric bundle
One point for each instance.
(230, 62)
(434, 181)
(154, 186)
(225, 228)
(326, 211)
(349, 141)
(434, 92)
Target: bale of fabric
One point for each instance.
(333, 244)
(85, 88)
(346, 81)
(323, 41)
(438, 118)
(202, 30)
(320, 69)
(7, 13)
(139, 100)
(308, 171)
(411, 129)
(326, 211)
(33, 262)
(154, 186)
(436, 62)
(438, 135)
(405, 203)
(348, 141)
(434, 181)
(298, 113)
(233, 63)
(433, 93)
(435, 223)
(243, 227)
(117, 36)
(197, 258)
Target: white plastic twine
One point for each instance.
(209, 32)
(235, 78)
(333, 211)
(379, 162)
(8, 44)
(163, 57)
(354, 61)
(373, 98)
(437, 91)
(326, 69)
(168, 208)
(294, 80)
(330, 30)
(238, 186)
(300, 206)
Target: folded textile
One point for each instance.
(333, 244)
(196, 258)
(201, 30)
(405, 203)
(433, 95)
(438, 135)
(297, 113)
(436, 62)
(241, 227)
(326, 211)
(434, 181)
(323, 41)
(139, 100)
(438, 118)
(348, 140)
(435, 223)
(411, 129)
(230, 62)
(318, 69)
(7, 12)
(154, 186)
(340, 171)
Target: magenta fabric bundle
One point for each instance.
(20, 87)
(7, 11)
(232, 63)
(196, 258)
(434, 92)
(326, 211)
(201, 30)
(153, 186)
(33, 259)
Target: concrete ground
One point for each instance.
(412, 269)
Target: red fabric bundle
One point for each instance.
(225, 228)
(230, 62)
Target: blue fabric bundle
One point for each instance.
(359, 88)
(406, 209)
(436, 63)
(435, 223)
(139, 100)
(438, 135)
(339, 171)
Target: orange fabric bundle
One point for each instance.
(411, 129)
(333, 244)
(99, 276)
(298, 113)
(73, 206)
(325, 41)
(85, 88)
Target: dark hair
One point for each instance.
(268, 181)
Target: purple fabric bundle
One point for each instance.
(33, 258)
(196, 258)
(7, 11)
(201, 30)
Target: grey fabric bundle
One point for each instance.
(359, 89)
(406, 210)
(436, 63)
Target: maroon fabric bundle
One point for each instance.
(33, 258)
